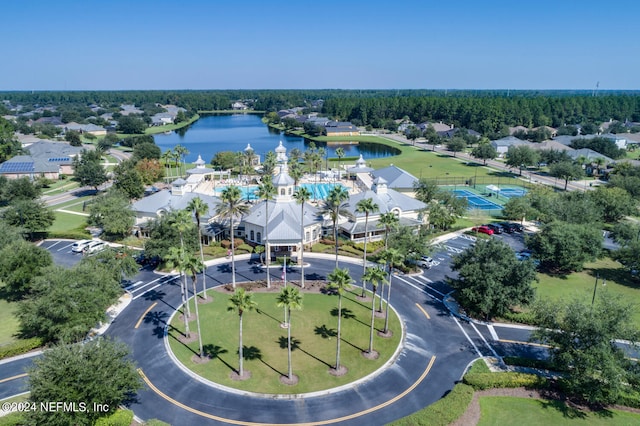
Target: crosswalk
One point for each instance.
(139, 288)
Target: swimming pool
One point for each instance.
(319, 191)
(476, 201)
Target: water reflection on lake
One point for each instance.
(232, 132)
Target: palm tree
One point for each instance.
(266, 192)
(339, 281)
(199, 209)
(366, 206)
(335, 206)
(240, 302)
(374, 276)
(294, 156)
(176, 259)
(290, 298)
(181, 151)
(193, 265)
(302, 195)
(392, 257)
(166, 157)
(232, 205)
(390, 221)
(181, 221)
(339, 154)
(296, 172)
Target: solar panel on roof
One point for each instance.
(59, 159)
(16, 167)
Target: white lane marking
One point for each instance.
(133, 285)
(427, 285)
(147, 291)
(54, 244)
(467, 336)
(492, 331)
(421, 289)
(485, 341)
(65, 247)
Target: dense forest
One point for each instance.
(484, 111)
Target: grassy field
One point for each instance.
(313, 328)
(419, 162)
(498, 410)
(67, 222)
(581, 284)
(8, 322)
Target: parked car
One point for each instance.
(425, 262)
(95, 247)
(79, 246)
(484, 229)
(497, 229)
(509, 227)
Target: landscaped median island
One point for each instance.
(313, 336)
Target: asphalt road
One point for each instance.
(437, 349)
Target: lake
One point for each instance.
(232, 132)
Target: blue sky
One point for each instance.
(402, 44)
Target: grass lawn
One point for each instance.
(60, 186)
(416, 161)
(68, 222)
(499, 410)
(265, 342)
(8, 322)
(581, 284)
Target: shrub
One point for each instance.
(482, 381)
(444, 411)
(20, 347)
(119, 418)
(526, 317)
(13, 419)
(237, 242)
(155, 422)
(73, 234)
(371, 246)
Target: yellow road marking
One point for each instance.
(8, 379)
(322, 422)
(423, 311)
(523, 343)
(145, 314)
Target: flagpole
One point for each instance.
(284, 278)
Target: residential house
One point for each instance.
(239, 106)
(341, 128)
(502, 145)
(28, 166)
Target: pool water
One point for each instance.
(319, 191)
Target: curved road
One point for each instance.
(437, 349)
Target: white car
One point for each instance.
(79, 246)
(94, 247)
(425, 262)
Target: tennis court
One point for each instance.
(476, 201)
(512, 192)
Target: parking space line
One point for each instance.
(65, 247)
(145, 314)
(50, 246)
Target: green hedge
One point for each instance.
(20, 347)
(119, 418)
(73, 234)
(156, 422)
(442, 412)
(482, 381)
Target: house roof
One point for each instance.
(46, 149)
(395, 177)
(551, 145)
(165, 200)
(284, 218)
(509, 141)
(28, 164)
(386, 201)
(589, 154)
